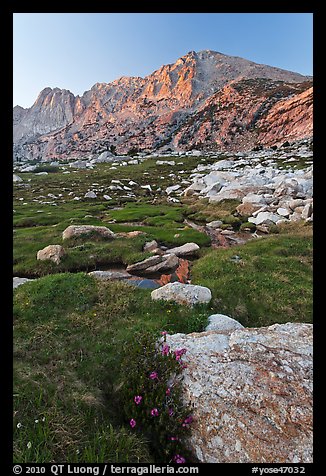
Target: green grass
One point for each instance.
(272, 283)
(71, 332)
(70, 336)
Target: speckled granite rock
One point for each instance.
(251, 389)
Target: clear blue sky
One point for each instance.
(75, 50)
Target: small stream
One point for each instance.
(146, 281)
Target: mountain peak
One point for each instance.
(146, 112)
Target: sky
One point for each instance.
(76, 50)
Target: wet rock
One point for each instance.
(168, 264)
(143, 265)
(187, 294)
(110, 275)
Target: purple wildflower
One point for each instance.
(171, 412)
(174, 438)
(179, 459)
(132, 423)
(154, 412)
(163, 333)
(165, 349)
(153, 375)
(168, 391)
(187, 421)
(138, 399)
(179, 353)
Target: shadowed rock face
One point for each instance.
(188, 98)
(251, 391)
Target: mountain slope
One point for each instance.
(145, 113)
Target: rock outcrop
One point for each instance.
(251, 392)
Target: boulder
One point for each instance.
(168, 264)
(16, 178)
(19, 281)
(151, 245)
(188, 294)
(110, 275)
(220, 322)
(73, 231)
(173, 188)
(215, 224)
(155, 264)
(283, 212)
(264, 217)
(307, 211)
(90, 194)
(247, 209)
(251, 393)
(184, 250)
(143, 265)
(52, 252)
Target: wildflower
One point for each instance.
(138, 399)
(19, 425)
(29, 445)
(43, 419)
(187, 421)
(163, 333)
(179, 459)
(168, 391)
(179, 353)
(153, 375)
(171, 412)
(36, 421)
(132, 423)
(165, 349)
(174, 438)
(154, 412)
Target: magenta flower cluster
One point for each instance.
(179, 459)
(178, 353)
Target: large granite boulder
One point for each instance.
(73, 231)
(188, 294)
(251, 391)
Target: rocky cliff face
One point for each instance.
(203, 99)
